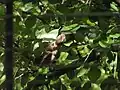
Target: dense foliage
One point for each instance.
(87, 60)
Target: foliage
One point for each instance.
(87, 60)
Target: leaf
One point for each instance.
(90, 23)
(30, 22)
(114, 7)
(42, 34)
(72, 54)
(87, 20)
(36, 45)
(95, 87)
(1, 66)
(103, 24)
(103, 44)
(81, 72)
(63, 56)
(38, 48)
(68, 43)
(43, 70)
(27, 7)
(2, 79)
(70, 27)
(115, 35)
(75, 82)
(24, 79)
(102, 77)
(56, 85)
(2, 10)
(114, 64)
(79, 36)
(94, 74)
(17, 24)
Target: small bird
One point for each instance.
(51, 50)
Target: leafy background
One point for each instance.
(88, 59)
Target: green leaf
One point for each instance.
(90, 23)
(94, 74)
(102, 77)
(63, 56)
(30, 22)
(1, 66)
(87, 20)
(68, 43)
(115, 35)
(103, 24)
(27, 7)
(56, 84)
(2, 79)
(70, 27)
(103, 44)
(38, 48)
(36, 45)
(75, 82)
(24, 79)
(95, 87)
(72, 54)
(82, 71)
(79, 36)
(42, 34)
(2, 10)
(114, 63)
(43, 70)
(114, 7)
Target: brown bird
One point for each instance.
(51, 50)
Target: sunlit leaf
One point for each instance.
(95, 87)
(103, 44)
(1, 66)
(2, 79)
(63, 56)
(81, 72)
(114, 7)
(42, 34)
(70, 27)
(115, 35)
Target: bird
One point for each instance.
(51, 51)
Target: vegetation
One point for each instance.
(89, 58)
